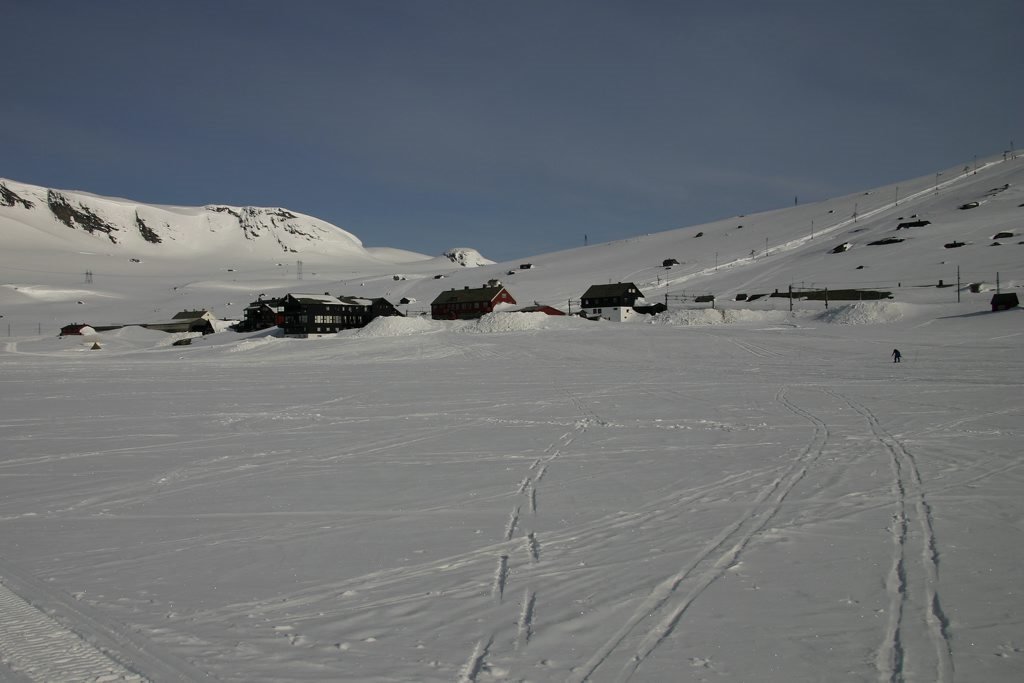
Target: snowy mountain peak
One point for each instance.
(79, 219)
(466, 257)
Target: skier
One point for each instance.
(896, 355)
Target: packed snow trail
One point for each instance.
(47, 636)
(37, 646)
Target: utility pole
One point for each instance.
(716, 261)
(298, 269)
(897, 195)
(88, 277)
(958, 284)
(791, 298)
(765, 246)
(812, 228)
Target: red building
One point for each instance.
(466, 303)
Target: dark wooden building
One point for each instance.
(611, 302)
(261, 314)
(186, 321)
(467, 303)
(1004, 301)
(305, 315)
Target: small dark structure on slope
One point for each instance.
(920, 223)
(1004, 301)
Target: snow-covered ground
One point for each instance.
(734, 494)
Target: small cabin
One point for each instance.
(669, 262)
(1004, 301)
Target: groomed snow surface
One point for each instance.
(768, 498)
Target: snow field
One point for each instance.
(604, 503)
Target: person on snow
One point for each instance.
(896, 355)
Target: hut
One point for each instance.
(1004, 301)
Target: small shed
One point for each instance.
(1004, 301)
(76, 329)
(670, 262)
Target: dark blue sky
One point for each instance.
(515, 127)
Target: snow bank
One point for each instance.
(396, 326)
(717, 316)
(864, 313)
(509, 322)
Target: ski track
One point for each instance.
(531, 543)
(524, 627)
(912, 587)
(710, 563)
(757, 350)
(476, 661)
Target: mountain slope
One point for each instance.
(140, 229)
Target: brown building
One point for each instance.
(467, 303)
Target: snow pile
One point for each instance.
(863, 313)
(396, 326)
(509, 322)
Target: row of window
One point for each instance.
(468, 305)
(609, 301)
(337, 319)
(303, 319)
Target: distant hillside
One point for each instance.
(35, 214)
(76, 257)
